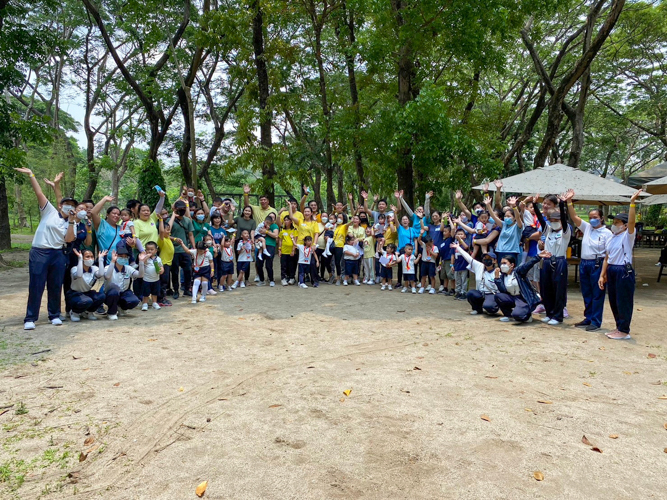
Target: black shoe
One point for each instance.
(592, 328)
(187, 294)
(582, 324)
(176, 295)
(101, 311)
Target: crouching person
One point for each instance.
(118, 278)
(482, 298)
(516, 296)
(81, 299)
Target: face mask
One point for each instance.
(340, 221)
(504, 268)
(487, 262)
(464, 218)
(192, 213)
(617, 229)
(209, 243)
(509, 221)
(325, 220)
(180, 212)
(478, 211)
(68, 209)
(595, 223)
(191, 194)
(88, 262)
(200, 217)
(556, 226)
(165, 217)
(81, 214)
(122, 261)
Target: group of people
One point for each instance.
(515, 248)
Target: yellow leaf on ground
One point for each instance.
(538, 475)
(342, 400)
(545, 402)
(181, 389)
(651, 355)
(89, 441)
(662, 397)
(587, 384)
(613, 436)
(199, 491)
(347, 392)
(485, 417)
(665, 425)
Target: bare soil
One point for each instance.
(245, 391)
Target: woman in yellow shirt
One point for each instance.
(288, 262)
(340, 232)
(306, 226)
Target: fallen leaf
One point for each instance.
(116, 384)
(241, 318)
(545, 402)
(651, 355)
(613, 436)
(587, 384)
(627, 373)
(199, 491)
(665, 450)
(310, 367)
(89, 441)
(82, 456)
(528, 409)
(640, 308)
(403, 390)
(274, 406)
(538, 475)
(665, 425)
(662, 397)
(347, 392)
(485, 417)
(342, 400)
(587, 442)
(417, 368)
(602, 348)
(74, 357)
(659, 382)
(401, 311)
(425, 344)
(181, 389)
(489, 376)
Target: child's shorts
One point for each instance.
(386, 272)
(203, 272)
(329, 234)
(428, 269)
(151, 288)
(379, 236)
(527, 232)
(227, 268)
(242, 267)
(409, 277)
(351, 267)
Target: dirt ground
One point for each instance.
(246, 392)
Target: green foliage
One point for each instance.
(652, 215)
(149, 177)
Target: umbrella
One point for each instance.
(589, 188)
(649, 175)
(656, 199)
(658, 186)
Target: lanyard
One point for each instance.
(407, 263)
(306, 252)
(202, 260)
(229, 252)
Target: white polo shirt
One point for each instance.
(51, 230)
(556, 242)
(619, 248)
(594, 242)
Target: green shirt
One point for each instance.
(271, 242)
(180, 229)
(200, 230)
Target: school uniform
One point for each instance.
(226, 261)
(117, 286)
(516, 296)
(553, 277)
(429, 257)
(151, 280)
(81, 297)
(482, 298)
(351, 261)
(621, 278)
(593, 247)
(307, 265)
(245, 250)
(408, 267)
(386, 271)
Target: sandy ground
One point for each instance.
(246, 392)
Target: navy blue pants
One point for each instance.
(621, 295)
(47, 269)
(306, 270)
(513, 306)
(553, 284)
(84, 301)
(266, 262)
(125, 300)
(481, 302)
(181, 260)
(589, 274)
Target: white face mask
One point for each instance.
(88, 262)
(617, 229)
(504, 268)
(81, 214)
(340, 221)
(325, 220)
(556, 226)
(68, 209)
(191, 194)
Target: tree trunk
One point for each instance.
(18, 195)
(5, 228)
(341, 184)
(265, 113)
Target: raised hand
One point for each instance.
(142, 256)
(200, 195)
(459, 195)
(114, 256)
(393, 208)
(567, 195)
(397, 194)
(306, 189)
(511, 201)
(487, 200)
(486, 187)
(108, 199)
(49, 183)
(429, 194)
(375, 197)
(246, 189)
(24, 170)
(77, 253)
(636, 195)
(499, 184)
(400, 193)
(364, 195)
(103, 254)
(59, 177)
(536, 197)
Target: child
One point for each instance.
(429, 255)
(165, 244)
(244, 249)
(380, 226)
(201, 265)
(446, 269)
(530, 224)
(81, 298)
(328, 236)
(460, 266)
(118, 275)
(153, 270)
(260, 232)
(214, 252)
(369, 256)
(226, 269)
(307, 257)
(409, 262)
(217, 232)
(351, 254)
(288, 261)
(126, 229)
(387, 263)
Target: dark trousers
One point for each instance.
(125, 300)
(589, 274)
(165, 277)
(325, 263)
(621, 295)
(72, 261)
(304, 270)
(553, 284)
(337, 260)
(46, 267)
(181, 260)
(481, 302)
(513, 306)
(288, 266)
(266, 262)
(84, 301)
(138, 287)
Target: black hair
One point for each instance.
(460, 229)
(200, 245)
(112, 208)
(263, 196)
(151, 243)
(381, 200)
(132, 203)
(269, 216)
(216, 215)
(408, 245)
(227, 199)
(248, 207)
(344, 217)
(427, 239)
(217, 199)
(292, 200)
(308, 238)
(597, 210)
(88, 201)
(381, 216)
(349, 238)
(127, 210)
(552, 198)
(391, 247)
(142, 205)
(511, 259)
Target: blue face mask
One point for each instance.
(509, 221)
(595, 223)
(122, 261)
(200, 217)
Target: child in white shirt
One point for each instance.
(308, 261)
(351, 254)
(201, 265)
(387, 263)
(409, 263)
(153, 269)
(244, 249)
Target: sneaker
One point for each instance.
(505, 319)
(291, 282)
(221, 288)
(583, 324)
(283, 282)
(389, 287)
(187, 293)
(272, 283)
(156, 306)
(92, 317)
(56, 322)
(617, 335)
(344, 282)
(261, 283)
(592, 328)
(546, 320)
(404, 289)
(113, 317)
(383, 287)
(441, 288)
(303, 285)
(378, 279)
(428, 288)
(356, 282)
(419, 285)
(462, 297)
(431, 291)
(539, 309)
(210, 291)
(243, 284)
(194, 300)
(175, 296)
(414, 290)
(337, 283)
(144, 307)
(370, 282)
(122, 312)
(451, 293)
(474, 313)
(554, 322)
(256, 279)
(421, 290)
(165, 302)
(529, 320)
(565, 313)
(29, 325)
(365, 282)
(74, 317)
(202, 299)
(332, 279)
(236, 283)
(101, 311)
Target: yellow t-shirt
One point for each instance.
(298, 215)
(390, 236)
(369, 247)
(321, 241)
(147, 230)
(339, 235)
(166, 250)
(286, 242)
(306, 228)
(359, 233)
(260, 214)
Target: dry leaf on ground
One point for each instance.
(538, 475)
(82, 456)
(545, 402)
(89, 441)
(416, 368)
(613, 436)
(274, 406)
(116, 384)
(662, 397)
(587, 384)
(651, 355)
(587, 442)
(347, 392)
(181, 389)
(665, 425)
(199, 491)
(485, 417)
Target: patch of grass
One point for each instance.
(13, 472)
(21, 409)
(592, 374)
(17, 247)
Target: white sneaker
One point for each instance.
(441, 288)
(356, 282)
(431, 291)
(221, 288)
(144, 307)
(236, 283)
(291, 282)
(156, 306)
(260, 283)
(112, 317)
(530, 320)
(414, 290)
(272, 283)
(404, 289)
(565, 313)
(505, 319)
(29, 325)
(365, 282)
(554, 322)
(389, 287)
(546, 320)
(92, 317)
(419, 285)
(56, 322)
(266, 252)
(539, 309)
(344, 282)
(283, 282)
(303, 285)
(428, 288)
(210, 291)
(421, 290)
(378, 280)
(256, 279)
(243, 284)
(74, 316)
(202, 299)
(370, 282)
(194, 300)
(474, 313)
(383, 287)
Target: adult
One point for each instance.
(106, 230)
(482, 298)
(183, 239)
(133, 207)
(617, 271)
(118, 275)
(259, 212)
(593, 245)
(379, 203)
(246, 222)
(509, 239)
(406, 235)
(146, 224)
(325, 261)
(47, 261)
(193, 200)
(312, 204)
(419, 213)
(340, 232)
(269, 232)
(201, 227)
(81, 297)
(516, 296)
